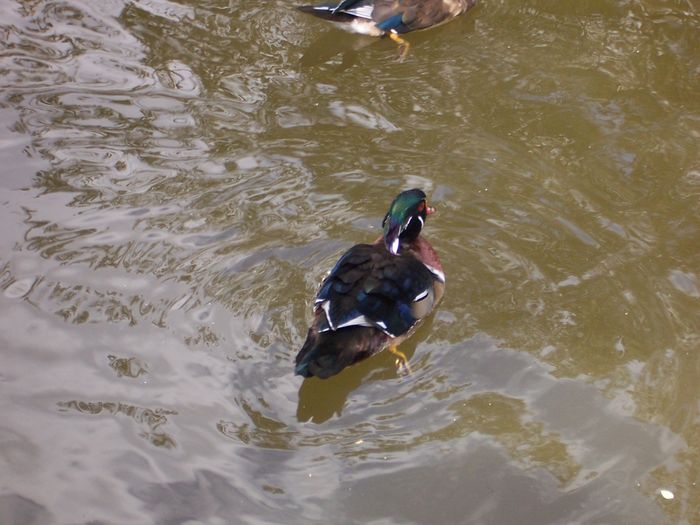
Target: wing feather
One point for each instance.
(370, 287)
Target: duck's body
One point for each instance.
(376, 294)
(392, 17)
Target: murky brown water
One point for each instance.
(178, 177)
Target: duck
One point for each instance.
(376, 295)
(389, 17)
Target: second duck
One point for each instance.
(389, 17)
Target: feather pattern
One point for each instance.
(376, 294)
(397, 16)
(370, 287)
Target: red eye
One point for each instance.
(421, 206)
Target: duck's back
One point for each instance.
(369, 297)
(413, 15)
(392, 15)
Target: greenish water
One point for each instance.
(178, 177)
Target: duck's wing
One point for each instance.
(392, 15)
(412, 15)
(344, 11)
(370, 287)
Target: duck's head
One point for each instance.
(405, 219)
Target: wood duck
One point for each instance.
(389, 17)
(376, 294)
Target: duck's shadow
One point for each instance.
(321, 399)
(333, 43)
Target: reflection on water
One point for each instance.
(180, 176)
(151, 419)
(127, 366)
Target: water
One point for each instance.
(178, 177)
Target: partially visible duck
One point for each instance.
(376, 294)
(390, 17)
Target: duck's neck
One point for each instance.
(424, 253)
(412, 231)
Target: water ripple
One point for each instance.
(201, 167)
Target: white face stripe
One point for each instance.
(395, 246)
(406, 224)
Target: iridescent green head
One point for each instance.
(405, 219)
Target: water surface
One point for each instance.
(177, 179)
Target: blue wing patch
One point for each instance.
(391, 23)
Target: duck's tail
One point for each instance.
(325, 354)
(326, 12)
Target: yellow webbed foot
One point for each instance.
(402, 366)
(403, 45)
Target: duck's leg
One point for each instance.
(402, 365)
(403, 44)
